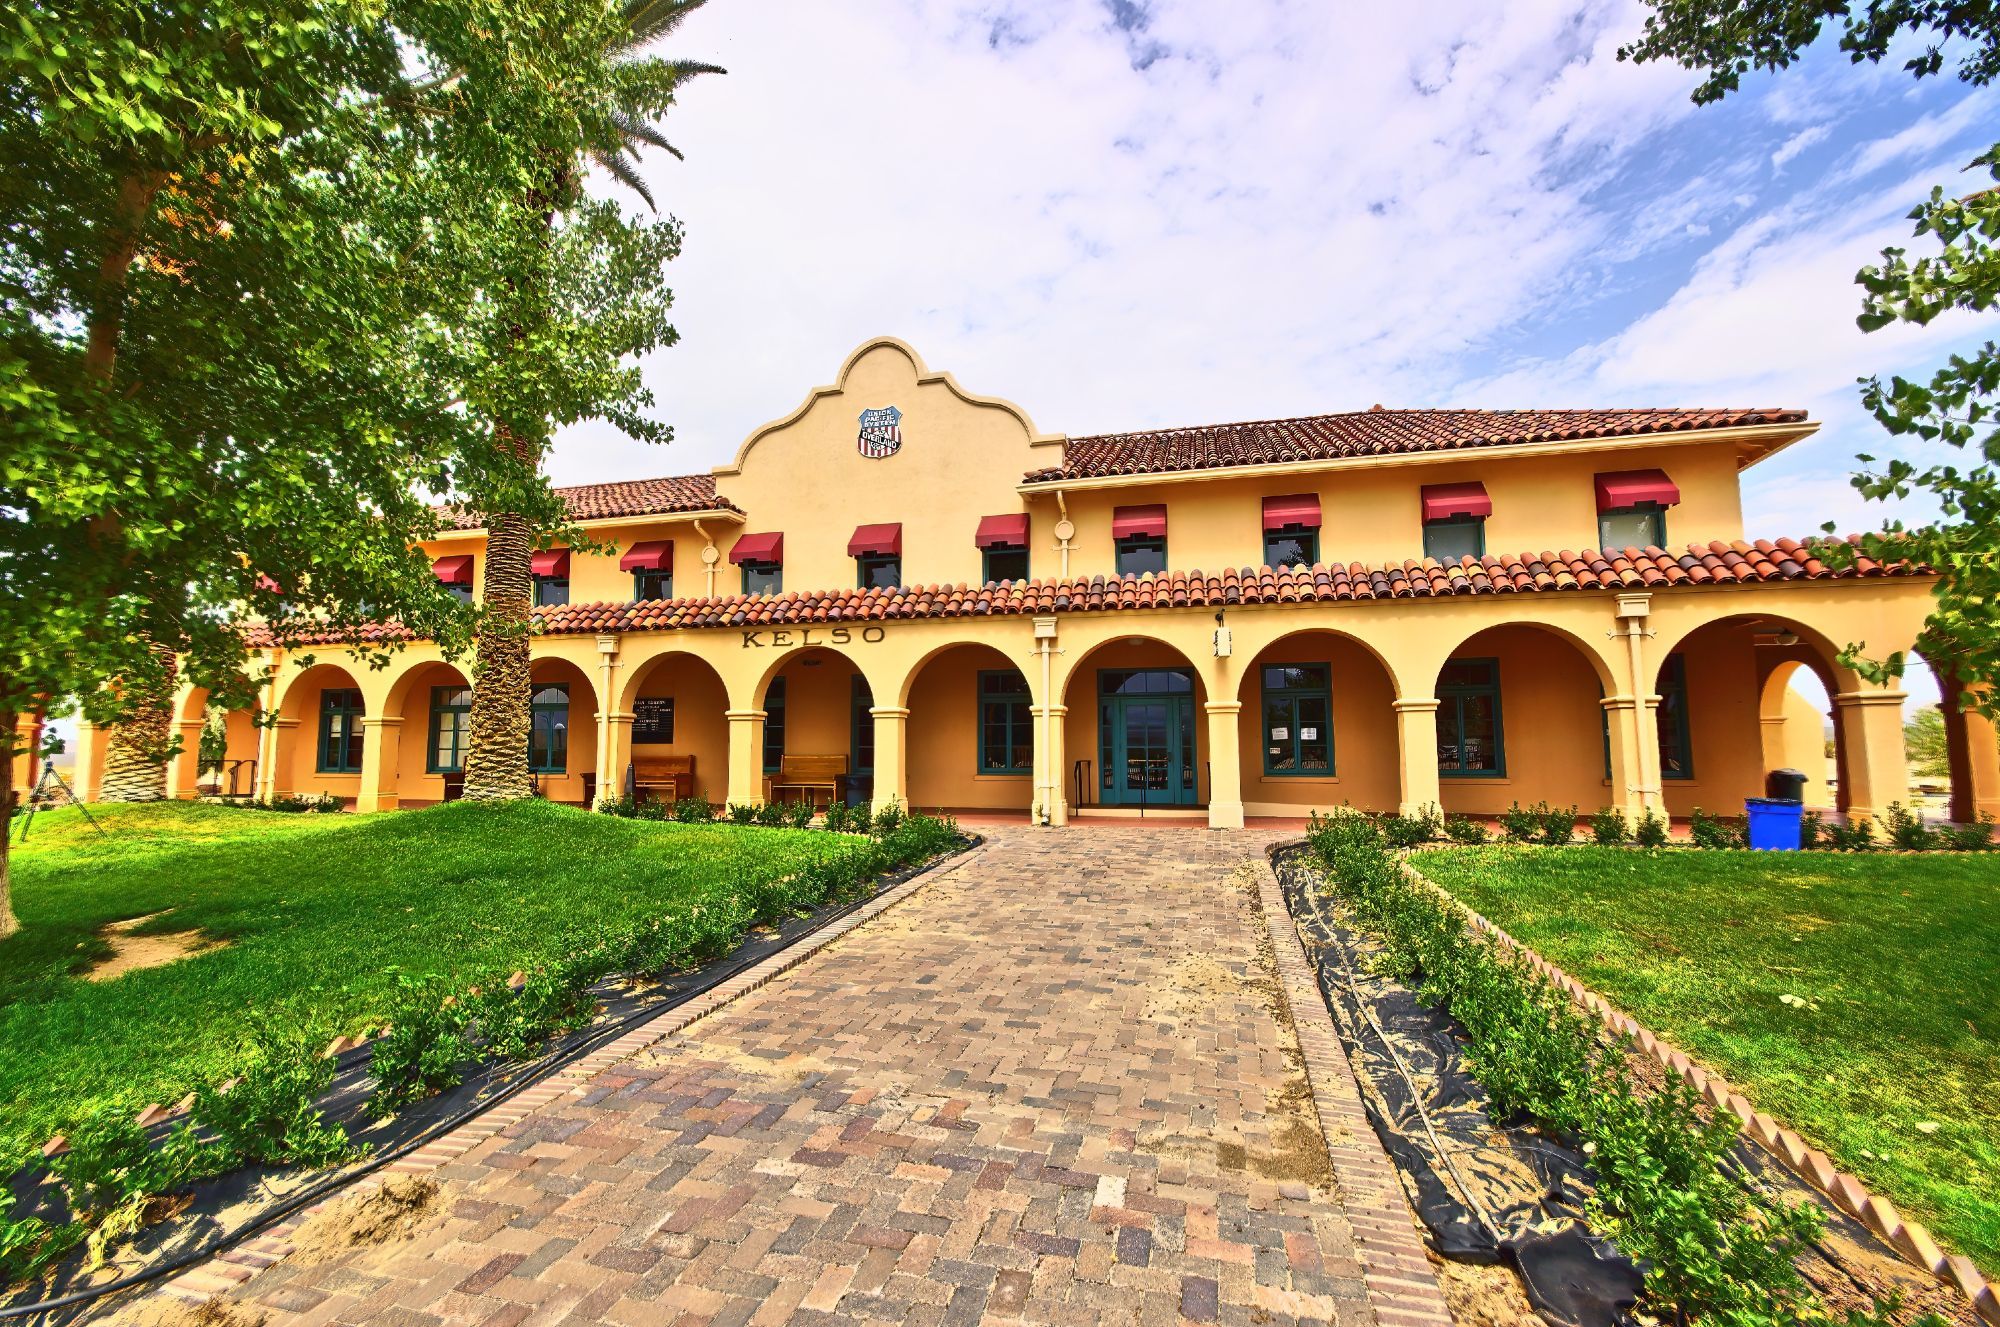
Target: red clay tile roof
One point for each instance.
(633, 497)
(1764, 562)
(1376, 432)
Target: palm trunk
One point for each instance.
(135, 757)
(496, 760)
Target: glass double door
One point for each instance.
(1146, 743)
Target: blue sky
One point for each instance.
(1130, 213)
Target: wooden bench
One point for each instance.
(811, 775)
(669, 778)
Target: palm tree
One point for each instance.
(496, 762)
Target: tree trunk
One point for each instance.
(107, 315)
(8, 738)
(135, 757)
(496, 760)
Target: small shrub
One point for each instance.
(1607, 828)
(1557, 823)
(1403, 831)
(617, 806)
(652, 808)
(29, 1246)
(1812, 830)
(1709, 831)
(693, 811)
(1518, 824)
(742, 814)
(799, 814)
(1976, 837)
(836, 816)
(425, 1046)
(771, 814)
(554, 998)
(112, 1171)
(1851, 836)
(296, 804)
(1907, 829)
(859, 817)
(1651, 831)
(887, 818)
(1464, 829)
(271, 1116)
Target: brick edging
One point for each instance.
(1402, 1288)
(233, 1267)
(1909, 1239)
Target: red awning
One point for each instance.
(759, 548)
(1442, 502)
(1629, 488)
(550, 562)
(455, 570)
(1293, 510)
(1149, 520)
(652, 555)
(876, 541)
(1003, 531)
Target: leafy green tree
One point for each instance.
(580, 328)
(251, 261)
(1925, 745)
(1955, 409)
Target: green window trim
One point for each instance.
(1438, 533)
(1455, 700)
(763, 578)
(1137, 546)
(1656, 533)
(774, 725)
(1675, 736)
(340, 740)
(551, 591)
(548, 728)
(996, 564)
(652, 585)
(1307, 540)
(1006, 723)
(860, 725)
(454, 704)
(1304, 702)
(883, 571)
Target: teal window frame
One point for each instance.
(1290, 696)
(542, 727)
(1307, 540)
(864, 567)
(1453, 524)
(340, 740)
(462, 593)
(774, 572)
(650, 585)
(774, 725)
(1133, 544)
(1672, 719)
(987, 557)
(461, 730)
(1650, 509)
(1009, 711)
(1452, 698)
(551, 591)
(861, 725)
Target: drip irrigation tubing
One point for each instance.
(313, 1193)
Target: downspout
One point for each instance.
(1065, 531)
(708, 556)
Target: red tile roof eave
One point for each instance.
(1713, 565)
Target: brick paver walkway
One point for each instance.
(1057, 1085)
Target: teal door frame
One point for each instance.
(1146, 744)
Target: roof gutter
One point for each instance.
(618, 522)
(1754, 443)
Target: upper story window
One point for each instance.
(550, 568)
(1141, 537)
(1003, 547)
(1632, 509)
(877, 551)
(455, 574)
(651, 563)
(1291, 530)
(1455, 520)
(762, 558)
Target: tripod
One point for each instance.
(52, 776)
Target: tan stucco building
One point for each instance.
(1385, 608)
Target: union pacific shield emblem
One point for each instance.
(881, 432)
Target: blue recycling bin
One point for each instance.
(1774, 825)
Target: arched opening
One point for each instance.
(970, 732)
(219, 749)
(318, 750)
(680, 727)
(562, 732)
(1519, 719)
(434, 703)
(1739, 698)
(819, 728)
(1136, 735)
(1318, 727)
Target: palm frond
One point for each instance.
(637, 129)
(649, 20)
(621, 169)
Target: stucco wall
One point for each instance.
(944, 735)
(701, 725)
(1365, 758)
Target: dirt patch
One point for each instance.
(403, 1205)
(130, 952)
(1483, 1295)
(163, 1311)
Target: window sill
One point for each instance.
(1002, 776)
(1474, 776)
(1270, 777)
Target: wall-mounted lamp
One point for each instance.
(1222, 640)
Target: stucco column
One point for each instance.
(1626, 777)
(184, 769)
(27, 736)
(1871, 728)
(1049, 757)
(891, 754)
(746, 756)
(83, 773)
(381, 757)
(1225, 765)
(1416, 741)
(276, 774)
(1982, 760)
(614, 753)
(1640, 771)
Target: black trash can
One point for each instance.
(1785, 785)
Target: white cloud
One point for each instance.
(1798, 143)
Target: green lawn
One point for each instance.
(1892, 1064)
(316, 908)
